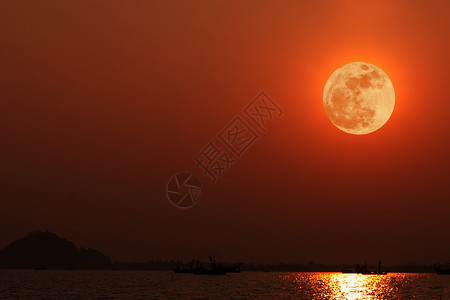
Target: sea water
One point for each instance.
(75, 284)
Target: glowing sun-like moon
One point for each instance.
(358, 98)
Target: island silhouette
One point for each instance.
(43, 249)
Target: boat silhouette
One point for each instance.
(197, 267)
(214, 269)
(177, 268)
(441, 271)
(357, 269)
(363, 270)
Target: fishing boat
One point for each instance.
(442, 271)
(214, 269)
(365, 271)
(197, 267)
(177, 268)
(357, 269)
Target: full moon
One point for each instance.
(358, 98)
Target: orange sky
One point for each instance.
(102, 102)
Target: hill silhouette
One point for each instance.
(45, 249)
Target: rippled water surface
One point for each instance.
(254, 285)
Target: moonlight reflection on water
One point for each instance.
(367, 287)
(77, 284)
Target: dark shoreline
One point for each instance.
(41, 250)
(248, 268)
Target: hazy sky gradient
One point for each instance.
(103, 101)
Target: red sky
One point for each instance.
(103, 101)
